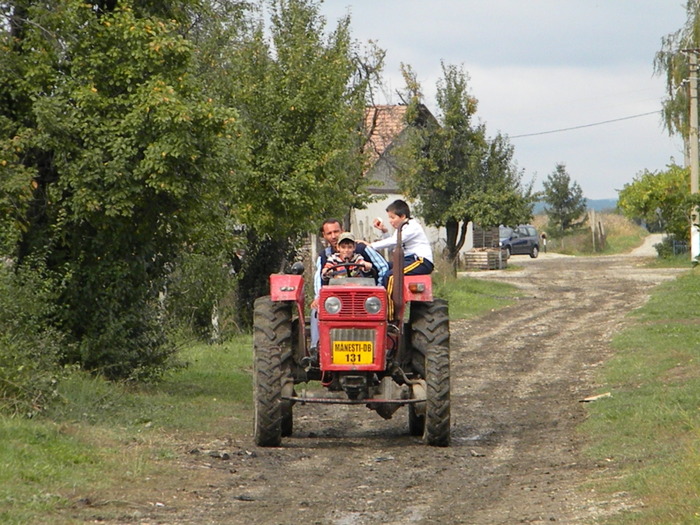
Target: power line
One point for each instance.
(587, 125)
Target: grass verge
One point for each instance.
(108, 449)
(648, 433)
(622, 236)
(469, 297)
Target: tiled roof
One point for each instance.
(383, 124)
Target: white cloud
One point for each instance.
(519, 101)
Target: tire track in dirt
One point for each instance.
(575, 308)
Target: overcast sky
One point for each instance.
(537, 66)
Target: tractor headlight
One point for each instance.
(373, 305)
(332, 305)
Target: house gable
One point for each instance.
(386, 128)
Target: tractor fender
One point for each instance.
(417, 288)
(286, 287)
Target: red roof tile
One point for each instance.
(383, 124)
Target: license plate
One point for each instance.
(353, 352)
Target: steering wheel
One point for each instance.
(335, 269)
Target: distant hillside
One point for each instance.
(592, 204)
(601, 204)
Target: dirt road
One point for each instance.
(517, 378)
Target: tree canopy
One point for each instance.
(108, 148)
(134, 133)
(660, 200)
(672, 62)
(455, 171)
(301, 91)
(565, 203)
(302, 97)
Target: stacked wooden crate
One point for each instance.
(485, 259)
(486, 254)
(485, 237)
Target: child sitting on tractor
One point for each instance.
(418, 255)
(345, 262)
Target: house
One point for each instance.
(386, 128)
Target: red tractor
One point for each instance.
(366, 356)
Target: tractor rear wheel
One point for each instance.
(287, 417)
(437, 410)
(430, 345)
(272, 376)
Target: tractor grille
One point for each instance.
(354, 305)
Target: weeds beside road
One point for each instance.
(648, 432)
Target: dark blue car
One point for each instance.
(521, 240)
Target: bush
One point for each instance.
(112, 320)
(30, 348)
(132, 344)
(199, 284)
(670, 247)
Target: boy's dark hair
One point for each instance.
(400, 208)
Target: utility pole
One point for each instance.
(694, 158)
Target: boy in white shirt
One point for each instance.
(418, 254)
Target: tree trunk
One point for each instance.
(451, 248)
(263, 257)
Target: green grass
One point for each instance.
(133, 432)
(624, 243)
(580, 243)
(186, 399)
(622, 236)
(469, 297)
(38, 462)
(650, 429)
(674, 261)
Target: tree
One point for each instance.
(567, 204)
(673, 63)
(659, 199)
(302, 96)
(123, 161)
(109, 152)
(452, 168)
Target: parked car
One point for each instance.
(521, 240)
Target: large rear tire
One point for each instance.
(272, 360)
(287, 417)
(430, 358)
(437, 410)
